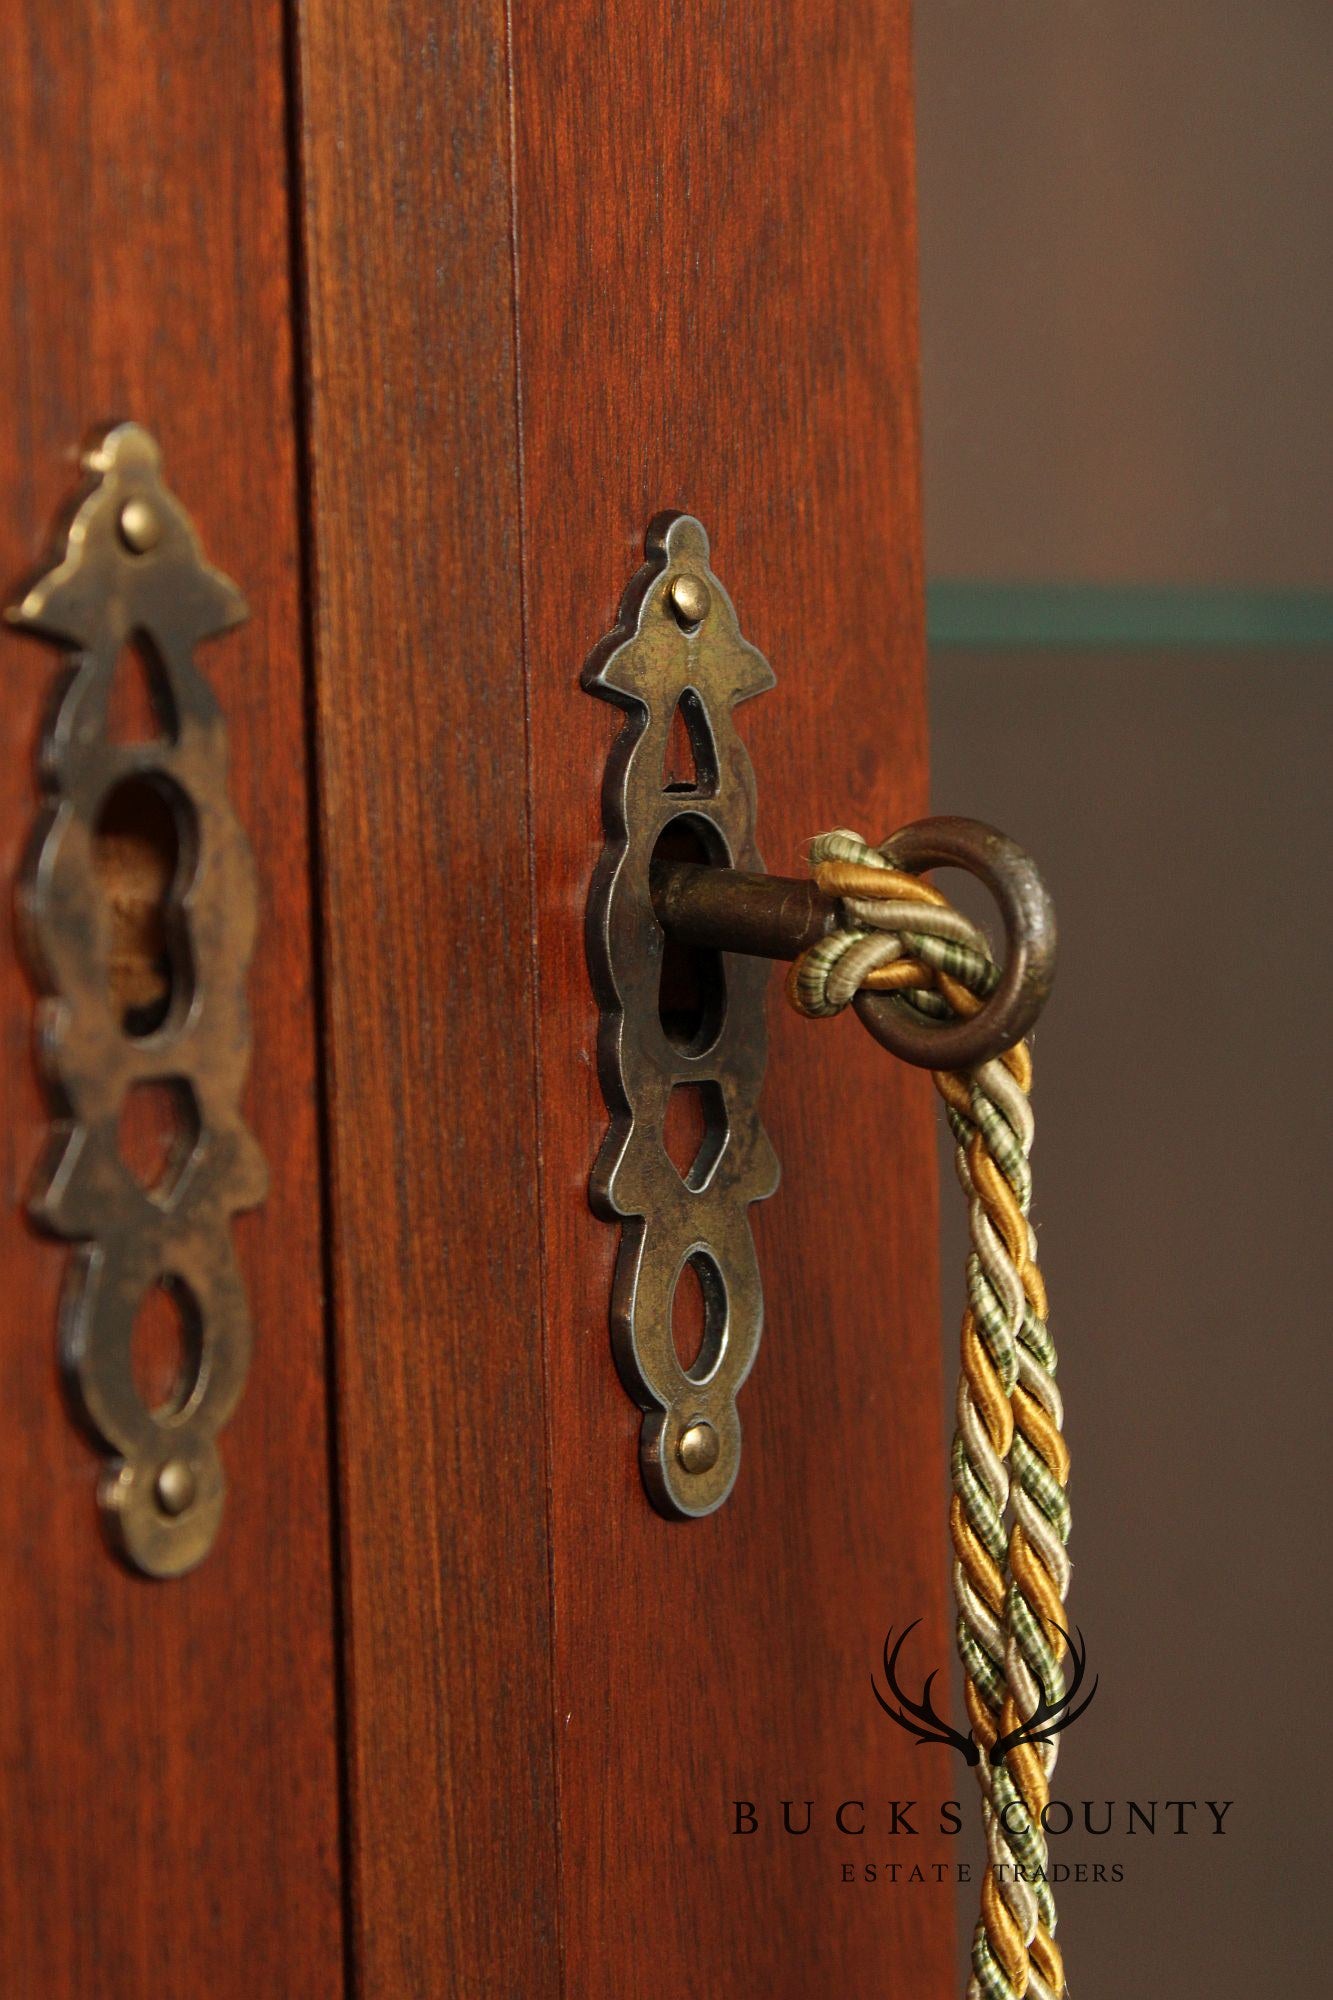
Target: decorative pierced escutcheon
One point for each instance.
(682, 1030)
(165, 1019)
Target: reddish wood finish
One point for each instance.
(168, 1760)
(432, 1078)
(714, 299)
(717, 312)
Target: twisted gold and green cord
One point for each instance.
(1009, 1515)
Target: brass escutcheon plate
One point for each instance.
(129, 577)
(679, 779)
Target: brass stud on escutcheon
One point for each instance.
(698, 1448)
(690, 600)
(140, 528)
(175, 1487)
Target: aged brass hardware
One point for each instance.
(725, 909)
(136, 997)
(677, 663)
(679, 919)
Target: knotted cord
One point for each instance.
(1009, 1514)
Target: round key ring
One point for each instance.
(1029, 960)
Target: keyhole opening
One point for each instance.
(692, 990)
(143, 854)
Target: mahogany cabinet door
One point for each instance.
(567, 264)
(168, 1750)
(432, 308)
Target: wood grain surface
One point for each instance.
(692, 284)
(716, 258)
(432, 1124)
(168, 1753)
